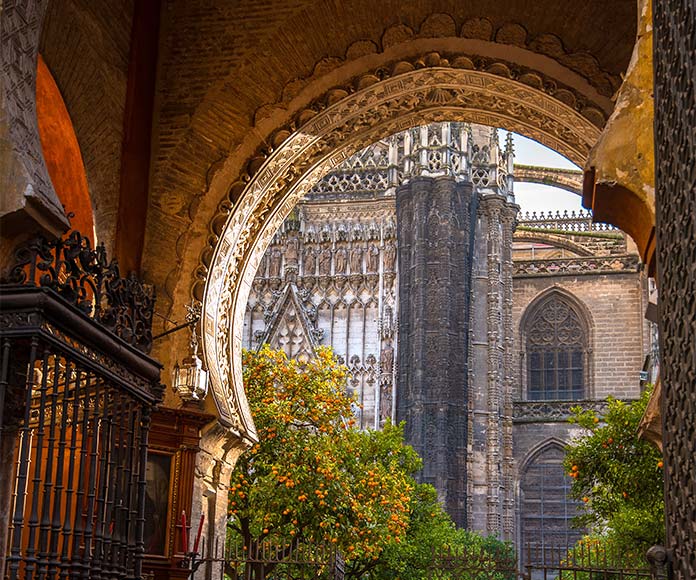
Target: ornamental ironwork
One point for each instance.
(76, 395)
(84, 277)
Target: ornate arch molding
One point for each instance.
(535, 452)
(579, 305)
(31, 191)
(320, 143)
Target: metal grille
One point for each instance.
(546, 507)
(75, 402)
(675, 153)
(556, 351)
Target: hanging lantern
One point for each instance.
(190, 379)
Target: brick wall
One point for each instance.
(618, 333)
(86, 44)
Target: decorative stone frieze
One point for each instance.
(576, 266)
(549, 411)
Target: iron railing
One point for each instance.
(76, 392)
(589, 559)
(268, 559)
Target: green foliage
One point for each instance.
(313, 479)
(618, 477)
(435, 549)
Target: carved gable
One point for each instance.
(292, 325)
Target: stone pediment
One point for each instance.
(291, 326)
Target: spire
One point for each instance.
(509, 159)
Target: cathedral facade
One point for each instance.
(478, 326)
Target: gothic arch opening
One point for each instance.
(545, 507)
(556, 339)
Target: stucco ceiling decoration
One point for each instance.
(325, 140)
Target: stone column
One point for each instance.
(433, 221)
(508, 221)
(219, 451)
(491, 207)
(28, 204)
(490, 401)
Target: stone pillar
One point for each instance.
(491, 208)
(508, 221)
(433, 221)
(28, 203)
(219, 451)
(491, 464)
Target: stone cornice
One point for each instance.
(552, 411)
(576, 266)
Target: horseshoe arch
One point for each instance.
(322, 142)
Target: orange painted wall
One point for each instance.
(62, 152)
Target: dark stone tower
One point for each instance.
(434, 241)
(455, 216)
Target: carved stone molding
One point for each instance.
(323, 141)
(576, 266)
(440, 25)
(546, 411)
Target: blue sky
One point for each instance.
(535, 197)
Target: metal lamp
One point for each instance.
(190, 379)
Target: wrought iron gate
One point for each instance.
(272, 559)
(76, 391)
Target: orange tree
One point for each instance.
(619, 478)
(313, 479)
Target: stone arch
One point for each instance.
(566, 179)
(534, 452)
(325, 138)
(61, 153)
(553, 240)
(584, 318)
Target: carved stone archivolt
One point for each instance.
(323, 142)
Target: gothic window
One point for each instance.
(546, 507)
(557, 350)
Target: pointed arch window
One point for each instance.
(557, 351)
